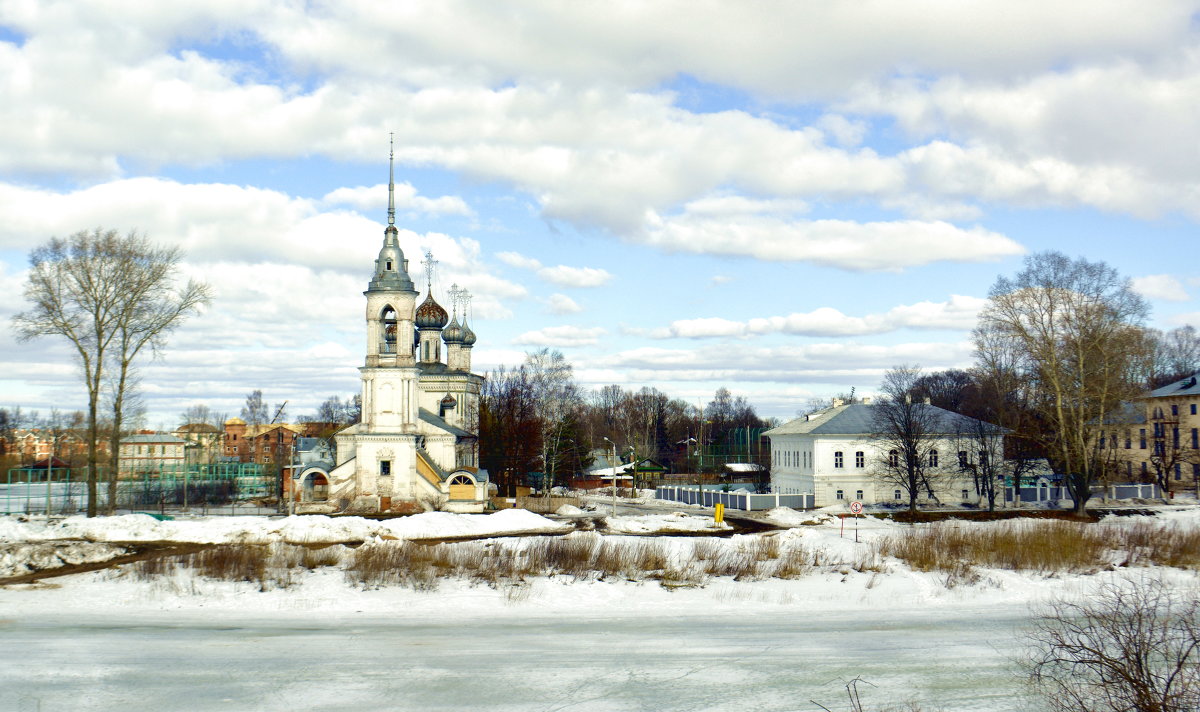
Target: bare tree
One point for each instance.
(109, 296)
(255, 411)
(1071, 329)
(1132, 647)
(907, 433)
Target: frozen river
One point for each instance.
(756, 662)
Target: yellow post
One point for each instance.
(719, 513)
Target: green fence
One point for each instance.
(64, 491)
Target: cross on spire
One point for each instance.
(465, 297)
(455, 295)
(429, 263)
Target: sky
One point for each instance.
(784, 199)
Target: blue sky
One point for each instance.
(783, 199)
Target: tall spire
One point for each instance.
(391, 181)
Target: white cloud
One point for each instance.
(959, 313)
(562, 304)
(561, 336)
(1161, 286)
(871, 246)
(374, 199)
(560, 275)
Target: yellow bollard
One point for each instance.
(719, 513)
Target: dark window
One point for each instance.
(837, 459)
(1142, 437)
(933, 458)
(1177, 471)
(860, 459)
(1128, 440)
(1128, 469)
(1175, 410)
(893, 458)
(1193, 409)
(840, 495)
(896, 494)
(1195, 439)
(1143, 469)
(858, 494)
(962, 458)
(385, 467)
(1175, 438)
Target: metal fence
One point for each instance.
(215, 489)
(745, 501)
(1131, 490)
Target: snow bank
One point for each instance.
(312, 529)
(662, 524)
(443, 525)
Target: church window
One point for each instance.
(837, 459)
(389, 265)
(933, 458)
(860, 459)
(893, 458)
(840, 495)
(389, 330)
(385, 467)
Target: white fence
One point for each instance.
(744, 501)
(1117, 491)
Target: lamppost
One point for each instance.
(613, 461)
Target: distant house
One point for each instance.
(623, 474)
(204, 442)
(148, 453)
(834, 455)
(1160, 431)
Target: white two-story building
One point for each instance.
(835, 455)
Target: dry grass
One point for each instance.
(505, 565)
(1154, 544)
(1046, 547)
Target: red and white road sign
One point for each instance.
(856, 507)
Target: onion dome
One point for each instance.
(453, 334)
(431, 315)
(449, 402)
(468, 336)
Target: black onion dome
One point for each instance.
(468, 336)
(453, 334)
(431, 315)
(449, 401)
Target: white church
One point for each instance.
(417, 446)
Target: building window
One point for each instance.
(896, 494)
(1128, 440)
(1196, 438)
(1193, 409)
(858, 494)
(837, 459)
(1129, 469)
(964, 495)
(933, 458)
(983, 458)
(1178, 471)
(1142, 438)
(1175, 409)
(385, 467)
(962, 458)
(1143, 469)
(1175, 438)
(1102, 441)
(893, 458)
(1196, 471)
(860, 458)
(840, 495)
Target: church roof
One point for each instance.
(441, 424)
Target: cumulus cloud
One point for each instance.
(560, 275)
(870, 246)
(561, 336)
(959, 313)
(562, 304)
(375, 199)
(1161, 286)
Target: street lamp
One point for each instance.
(613, 461)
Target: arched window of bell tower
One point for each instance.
(388, 318)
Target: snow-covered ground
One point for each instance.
(107, 640)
